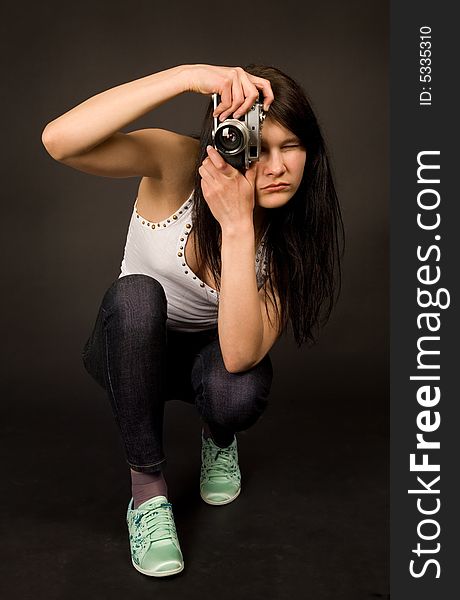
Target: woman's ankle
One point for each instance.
(147, 485)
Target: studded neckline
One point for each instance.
(179, 214)
(181, 243)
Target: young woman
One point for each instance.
(216, 265)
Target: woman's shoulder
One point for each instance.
(177, 153)
(170, 155)
(158, 198)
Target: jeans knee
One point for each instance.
(232, 400)
(137, 301)
(237, 404)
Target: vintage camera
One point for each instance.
(238, 140)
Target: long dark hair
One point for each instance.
(302, 241)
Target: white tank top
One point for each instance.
(158, 249)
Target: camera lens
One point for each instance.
(229, 138)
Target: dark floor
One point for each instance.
(311, 521)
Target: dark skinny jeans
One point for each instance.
(141, 363)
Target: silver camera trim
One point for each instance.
(250, 124)
(238, 125)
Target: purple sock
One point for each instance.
(147, 485)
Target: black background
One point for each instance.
(313, 518)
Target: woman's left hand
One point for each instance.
(228, 193)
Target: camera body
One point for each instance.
(238, 140)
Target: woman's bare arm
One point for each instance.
(96, 119)
(156, 153)
(87, 137)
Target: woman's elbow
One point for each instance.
(50, 142)
(237, 365)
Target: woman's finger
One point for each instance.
(251, 94)
(225, 97)
(237, 97)
(206, 171)
(215, 159)
(265, 86)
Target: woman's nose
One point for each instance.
(275, 165)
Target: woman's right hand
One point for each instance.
(238, 89)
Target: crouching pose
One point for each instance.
(218, 261)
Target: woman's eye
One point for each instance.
(283, 147)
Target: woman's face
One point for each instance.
(282, 160)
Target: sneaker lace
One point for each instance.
(159, 523)
(220, 462)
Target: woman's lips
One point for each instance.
(276, 188)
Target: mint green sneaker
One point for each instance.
(153, 539)
(220, 476)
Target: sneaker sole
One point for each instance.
(163, 574)
(219, 503)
